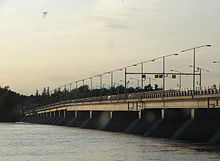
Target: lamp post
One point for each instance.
(76, 84)
(163, 66)
(100, 81)
(83, 81)
(179, 77)
(112, 75)
(112, 78)
(91, 83)
(115, 83)
(70, 86)
(142, 71)
(105, 85)
(194, 60)
(125, 83)
(137, 81)
(151, 79)
(200, 74)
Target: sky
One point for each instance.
(79, 39)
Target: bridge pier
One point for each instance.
(215, 139)
(120, 120)
(96, 120)
(148, 117)
(175, 115)
(40, 118)
(51, 116)
(70, 117)
(80, 117)
(205, 126)
(45, 118)
(171, 121)
(56, 119)
(62, 117)
(30, 119)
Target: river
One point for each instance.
(34, 142)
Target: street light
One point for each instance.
(76, 84)
(163, 58)
(137, 81)
(151, 79)
(70, 86)
(91, 83)
(134, 65)
(112, 75)
(200, 74)
(179, 76)
(194, 60)
(142, 71)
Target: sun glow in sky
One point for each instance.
(79, 39)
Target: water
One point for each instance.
(32, 142)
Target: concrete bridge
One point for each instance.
(185, 115)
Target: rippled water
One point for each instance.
(32, 142)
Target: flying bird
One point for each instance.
(44, 14)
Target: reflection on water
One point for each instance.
(24, 142)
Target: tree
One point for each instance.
(148, 88)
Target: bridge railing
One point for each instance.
(130, 96)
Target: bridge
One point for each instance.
(176, 114)
(185, 115)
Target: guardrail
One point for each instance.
(120, 97)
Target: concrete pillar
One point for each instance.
(147, 119)
(76, 114)
(90, 114)
(81, 116)
(110, 114)
(62, 114)
(71, 118)
(45, 118)
(62, 118)
(215, 139)
(56, 118)
(70, 114)
(97, 119)
(173, 119)
(121, 120)
(204, 126)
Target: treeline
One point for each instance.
(9, 105)
(82, 92)
(13, 104)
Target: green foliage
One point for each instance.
(81, 92)
(8, 103)
(9, 100)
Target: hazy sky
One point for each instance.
(78, 39)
